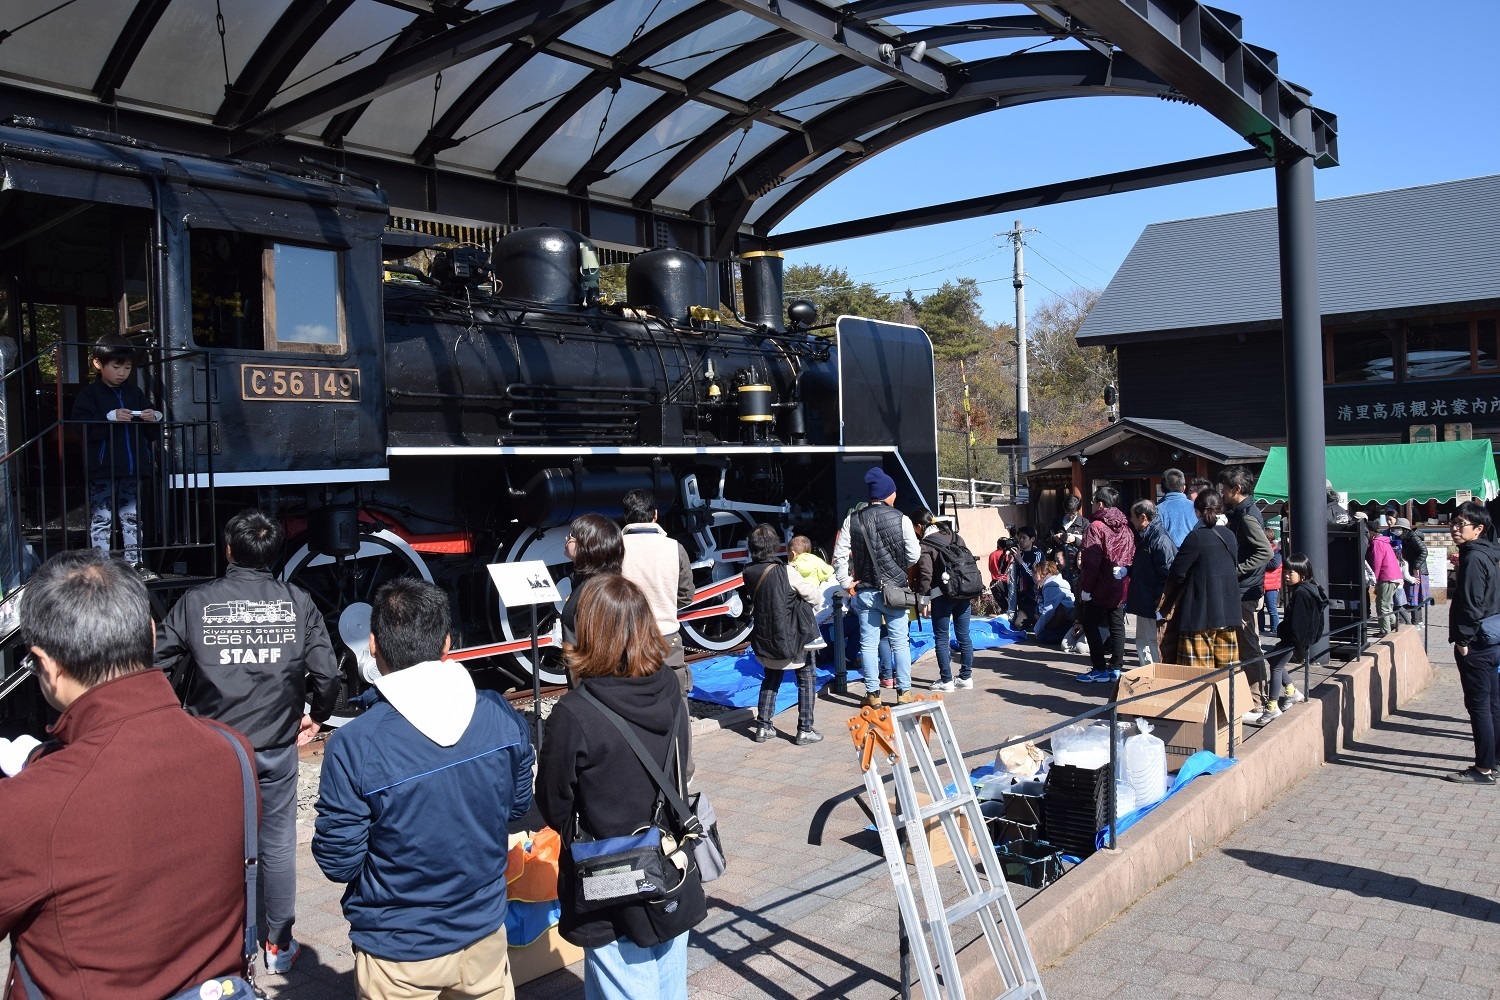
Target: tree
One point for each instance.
(836, 294)
(1067, 380)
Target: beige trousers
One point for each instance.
(479, 972)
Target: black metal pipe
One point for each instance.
(1114, 728)
(1302, 337)
(840, 647)
(1233, 717)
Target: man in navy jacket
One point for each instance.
(415, 808)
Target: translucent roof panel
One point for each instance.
(712, 168)
(359, 37)
(570, 147)
(512, 109)
(769, 199)
(688, 55)
(181, 65)
(400, 119)
(65, 50)
(756, 79)
(817, 100)
(614, 27)
(656, 148)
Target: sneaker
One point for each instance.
(761, 732)
(872, 699)
(1271, 712)
(279, 960)
(818, 643)
(941, 686)
(905, 697)
(1067, 645)
(887, 682)
(1291, 696)
(1094, 677)
(806, 737)
(964, 683)
(1252, 717)
(147, 575)
(1471, 776)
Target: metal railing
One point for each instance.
(66, 480)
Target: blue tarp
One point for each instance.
(735, 680)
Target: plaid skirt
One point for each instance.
(1216, 647)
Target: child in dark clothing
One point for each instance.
(1301, 626)
(118, 455)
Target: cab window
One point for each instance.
(251, 293)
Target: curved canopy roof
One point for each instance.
(731, 112)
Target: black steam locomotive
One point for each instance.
(412, 406)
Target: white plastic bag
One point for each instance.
(1146, 765)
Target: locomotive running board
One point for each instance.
(440, 451)
(498, 648)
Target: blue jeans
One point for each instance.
(956, 610)
(874, 617)
(276, 771)
(1273, 609)
(623, 970)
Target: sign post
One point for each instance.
(530, 584)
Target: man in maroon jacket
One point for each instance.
(1104, 561)
(122, 850)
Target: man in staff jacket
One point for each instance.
(243, 650)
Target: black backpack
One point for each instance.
(961, 580)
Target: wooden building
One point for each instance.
(1409, 291)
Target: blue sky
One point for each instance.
(1413, 88)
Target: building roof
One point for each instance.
(1216, 448)
(1418, 246)
(730, 112)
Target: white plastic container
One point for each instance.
(1146, 765)
(1124, 799)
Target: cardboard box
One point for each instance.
(937, 840)
(1190, 718)
(546, 954)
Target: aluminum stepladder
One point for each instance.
(898, 733)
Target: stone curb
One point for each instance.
(1341, 710)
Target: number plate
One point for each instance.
(266, 383)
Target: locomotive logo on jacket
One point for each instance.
(249, 613)
(250, 631)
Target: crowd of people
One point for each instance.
(138, 803)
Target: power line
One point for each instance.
(1065, 248)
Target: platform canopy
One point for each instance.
(635, 121)
(1399, 473)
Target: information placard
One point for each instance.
(523, 583)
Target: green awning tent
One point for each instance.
(1381, 473)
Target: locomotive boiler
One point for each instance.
(409, 406)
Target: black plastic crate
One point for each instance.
(1035, 865)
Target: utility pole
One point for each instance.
(1023, 397)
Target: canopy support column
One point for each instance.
(1302, 346)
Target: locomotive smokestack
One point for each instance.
(760, 271)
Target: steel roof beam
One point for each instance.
(847, 37)
(278, 55)
(128, 44)
(1240, 161)
(631, 132)
(1198, 50)
(699, 146)
(1078, 71)
(419, 29)
(608, 73)
(482, 33)
(982, 29)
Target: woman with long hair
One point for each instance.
(1204, 575)
(590, 781)
(596, 545)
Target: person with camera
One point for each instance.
(122, 844)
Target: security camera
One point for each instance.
(1082, 458)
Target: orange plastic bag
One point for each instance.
(531, 875)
